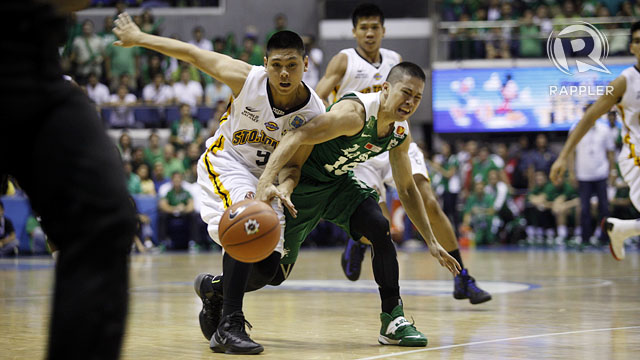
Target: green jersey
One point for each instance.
(339, 156)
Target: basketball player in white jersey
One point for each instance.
(267, 102)
(626, 96)
(364, 69)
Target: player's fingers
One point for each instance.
(126, 19)
(292, 209)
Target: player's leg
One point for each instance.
(372, 174)
(224, 180)
(464, 284)
(367, 220)
(585, 191)
(73, 176)
(619, 230)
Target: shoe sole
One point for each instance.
(219, 348)
(603, 227)
(383, 340)
(481, 301)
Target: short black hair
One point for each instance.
(285, 39)
(635, 27)
(366, 10)
(407, 68)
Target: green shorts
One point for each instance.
(333, 201)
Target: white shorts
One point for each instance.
(631, 174)
(376, 172)
(224, 180)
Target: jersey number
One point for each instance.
(264, 155)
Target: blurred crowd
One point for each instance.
(131, 81)
(500, 193)
(527, 24)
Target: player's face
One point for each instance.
(403, 97)
(634, 47)
(368, 33)
(284, 69)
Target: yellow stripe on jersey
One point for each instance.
(218, 188)
(627, 139)
(225, 116)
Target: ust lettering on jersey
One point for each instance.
(253, 136)
(255, 127)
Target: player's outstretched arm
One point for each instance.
(288, 178)
(345, 118)
(222, 67)
(599, 108)
(413, 205)
(335, 72)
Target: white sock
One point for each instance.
(562, 231)
(549, 232)
(531, 232)
(55, 255)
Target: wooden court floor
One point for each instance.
(546, 305)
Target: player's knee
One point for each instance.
(282, 273)
(263, 271)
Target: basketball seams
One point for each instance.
(255, 238)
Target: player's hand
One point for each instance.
(557, 169)
(447, 261)
(285, 197)
(126, 30)
(266, 192)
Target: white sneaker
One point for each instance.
(617, 235)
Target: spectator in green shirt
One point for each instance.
(153, 151)
(480, 215)
(176, 212)
(171, 162)
(122, 60)
(133, 180)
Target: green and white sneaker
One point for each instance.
(396, 330)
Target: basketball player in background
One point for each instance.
(626, 96)
(365, 69)
(53, 143)
(268, 101)
(358, 127)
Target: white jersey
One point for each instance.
(629, 107)
(362, 76)
(629, 157)
(253, 126)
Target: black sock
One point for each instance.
(456, 255)
(236, 275)
(388, 304)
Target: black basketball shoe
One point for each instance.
(465, 288)
(211, 303)
(232, 338)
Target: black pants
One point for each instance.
(586, 189)
(52, 142)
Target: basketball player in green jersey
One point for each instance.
(356, 128)
(364, 69)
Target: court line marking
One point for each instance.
(496, 340)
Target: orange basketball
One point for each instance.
(249, 230)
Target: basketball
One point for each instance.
(249, 231)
